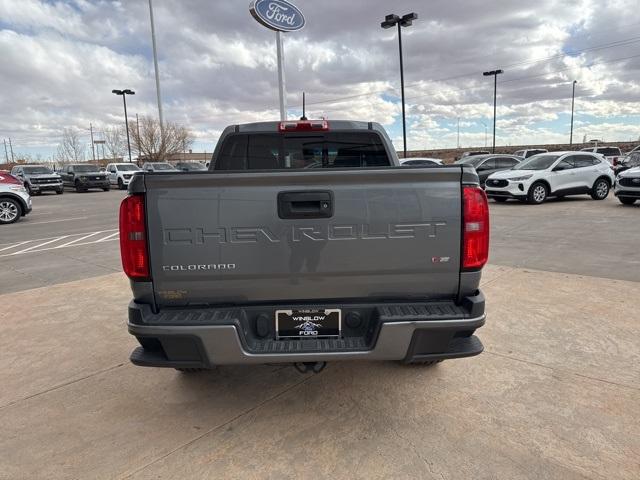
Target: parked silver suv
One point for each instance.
(38, 179)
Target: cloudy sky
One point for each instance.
(61, 59)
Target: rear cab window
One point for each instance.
(272, 151)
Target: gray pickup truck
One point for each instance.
(304, 242)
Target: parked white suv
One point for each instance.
(612, 154)
(121, 173)
(554, 174)
(529, 152)
(628, 186)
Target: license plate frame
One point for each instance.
(308, 323)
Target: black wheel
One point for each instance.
(424, 363)
(190, 370)
(600, 189)
(120, 184)
(79, 188)
(28, 187)
(500, 199)
(10, 210)
(626, 200)
(538, 193)
(59, 192)
(106, 189)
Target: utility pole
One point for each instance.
(155, 65)
(573, 98)
(93, 149)
(495, 74)
(11, 148)
(6, 155)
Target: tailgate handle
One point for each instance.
(309, 204)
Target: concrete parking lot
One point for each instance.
(556, 394)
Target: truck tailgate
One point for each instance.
(220, 238)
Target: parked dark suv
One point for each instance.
(485, 165)
(38, 179)
(84, 176)
(625, 163)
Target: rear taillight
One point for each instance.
(133, 238)
(303, 125)
(475, 228)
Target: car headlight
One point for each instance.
(18, 188)
(520, 179)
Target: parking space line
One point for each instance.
(40, 245)
(108, 237)
(14, 245)
(77, 240)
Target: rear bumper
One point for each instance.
(408, 332)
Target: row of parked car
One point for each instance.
(535, 175)
(24, 181)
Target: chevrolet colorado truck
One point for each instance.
(304, 242)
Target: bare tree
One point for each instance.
(152, 145)
(115, 141)
(71, 149)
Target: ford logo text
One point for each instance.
(278, 15)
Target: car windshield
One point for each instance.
(537, 162)
(85, 168)
(128, 168)
(162, 166)
(37, 170)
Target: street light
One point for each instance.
(404, 21)
(124, 94)
(573, 98)
(495, 74)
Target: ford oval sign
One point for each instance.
(277, 15)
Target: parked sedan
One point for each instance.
(190, 166)
(555, 174)
(486, 165)
(159, 167)
(84, 176)
(421, 161)
(628, 186)
(15, 201)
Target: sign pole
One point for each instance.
(281, 81)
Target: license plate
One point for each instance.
(316, 323)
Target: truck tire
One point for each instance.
(538, 193)
(190, 370)
(627, 200)
(59, 192)
(79, 188)
(600, 189)
(106, 189)
(10, 210)
(500, 199)
(120, 184)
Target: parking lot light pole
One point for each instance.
(124, 94)
(404, 21)
(495, 74)
(573, 98)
